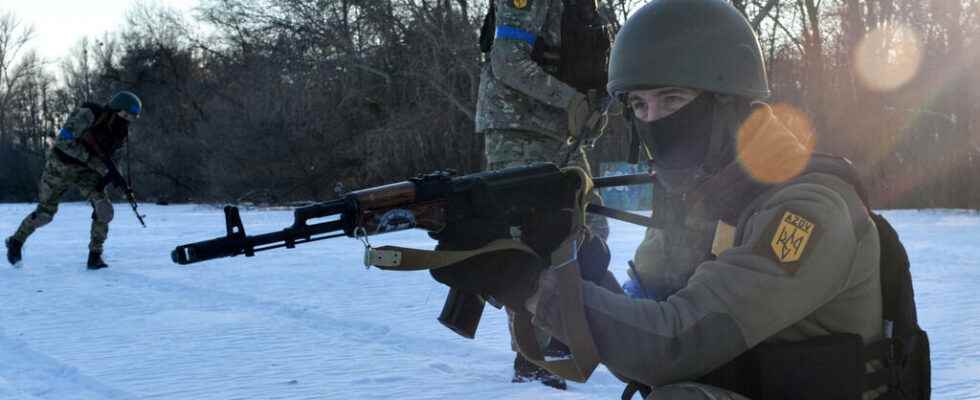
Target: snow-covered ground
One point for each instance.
(312, 323)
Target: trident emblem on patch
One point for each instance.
(791, 237)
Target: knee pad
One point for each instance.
(102, 211)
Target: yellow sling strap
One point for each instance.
(584, 356)
(394, 258)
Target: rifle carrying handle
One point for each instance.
(462, 312)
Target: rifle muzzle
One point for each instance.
(208, 250)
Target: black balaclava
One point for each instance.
(679, 143)
(680, 140)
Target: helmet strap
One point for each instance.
(636, 140)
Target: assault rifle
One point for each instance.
(117, 178)
(436, 202)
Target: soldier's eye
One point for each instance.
(673, 101)
(637, 105)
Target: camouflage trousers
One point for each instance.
(60, 174)
(511, 148)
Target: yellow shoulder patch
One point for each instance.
(791, 237)
(520, 3)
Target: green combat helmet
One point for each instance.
(698, 44)
(128, 102)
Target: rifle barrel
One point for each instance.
(234, 244)
(623, 180)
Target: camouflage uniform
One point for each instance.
(521, 106)
(71, 163)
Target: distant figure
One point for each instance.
(82, 157)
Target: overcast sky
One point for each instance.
(59, 24)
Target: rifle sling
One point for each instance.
(409, 259)
(584, 356)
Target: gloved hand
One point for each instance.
(510, 276)
(593, 264)
(115, 178)
(593, 259)
(581, 116)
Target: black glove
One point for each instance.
(593, 259)
(509, 276)
(115, 178)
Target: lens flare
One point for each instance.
(798, 123)
(775, 144)
(888, 57)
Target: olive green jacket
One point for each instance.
(803, 262)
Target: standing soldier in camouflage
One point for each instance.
(82, 157)
(534, 99)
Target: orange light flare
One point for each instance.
(888, 57)
(775, 150)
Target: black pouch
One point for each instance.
(824, 368)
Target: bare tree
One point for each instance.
(14, 37)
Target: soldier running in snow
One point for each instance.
(82, 157)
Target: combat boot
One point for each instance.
(526, 371)
(13, 250)
(95, 261)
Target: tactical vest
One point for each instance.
(109, 133)
(582, 64)
(833, 367)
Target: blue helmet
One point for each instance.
(128, 102)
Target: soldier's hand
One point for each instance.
(115, 179)
(509, 276)
(593, 259)
(582, 117)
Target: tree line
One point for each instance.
(293, 100)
